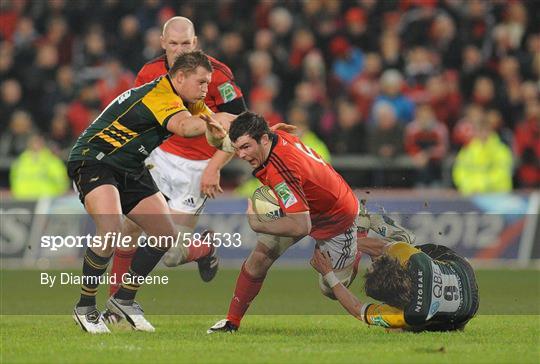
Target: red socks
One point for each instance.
(247, 288)
(120, 265)
(195, 253)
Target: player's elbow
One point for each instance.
(301, 228)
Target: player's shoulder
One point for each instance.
(157, 65)
(284, 156)
(160, 92)
(402, 252)
(220, 67)
(158, 61)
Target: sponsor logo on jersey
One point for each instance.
(285, 194)
(379, 321)
(143, 150)
(227, 92)
(419, 292)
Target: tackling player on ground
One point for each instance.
(315, 199)
(428, 287)
(186, 171)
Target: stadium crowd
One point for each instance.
(436, 80)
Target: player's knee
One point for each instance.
(129, 228)
(258, 264)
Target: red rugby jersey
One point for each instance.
(221, 90)
(304, 182)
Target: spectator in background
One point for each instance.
(365, 88)
(129, 46)
(260, 65)
(298, 117)
(472, 67)
(57, 35)
(11, 99)
(63, 92)
(356, 29)
(444, 39)
(83, 110)
(485, 164)
(15, 138)
(349, 137)
(60, 136)
(426, 142)
(385, 141)
(385, 137)
(114, 81)
(391, 85)
(390, 51)
(152, 44)
(348, 61)
(463, 132)
(419, 67)
(260, 100)
(306, 97)
(39, 79)
(484, 93)
(444, 97)
(7, 69)
(37, 172)
(527, 147)
(91, 53)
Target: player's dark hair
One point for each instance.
(249, 123)
(390, 282)
(189, 61)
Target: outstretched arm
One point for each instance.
(372, 314)
(321, 263)
(186, 125)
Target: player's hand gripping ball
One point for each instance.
(265, 204)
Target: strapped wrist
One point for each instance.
(331, 279)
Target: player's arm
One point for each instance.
(371, 313)
(186, 125)
(211, 175)
(295, 225)
(322, 264)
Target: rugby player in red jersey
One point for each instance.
(186, 171)
(315, 199)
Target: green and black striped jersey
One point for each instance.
(133, 125)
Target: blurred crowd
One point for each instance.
(435, 80)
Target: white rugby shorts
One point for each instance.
(179, 179)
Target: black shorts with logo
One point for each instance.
(132, 186)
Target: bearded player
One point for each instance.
(428, 287)
(315, 199)
(186, 171)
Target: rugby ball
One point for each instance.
(265, 204)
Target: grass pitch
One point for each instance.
(289, 322)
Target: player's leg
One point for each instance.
(151, 214)
(123, 255)
(103, 205)
(205, 254)
(179, 180)
(250, 280)
(343, 252)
